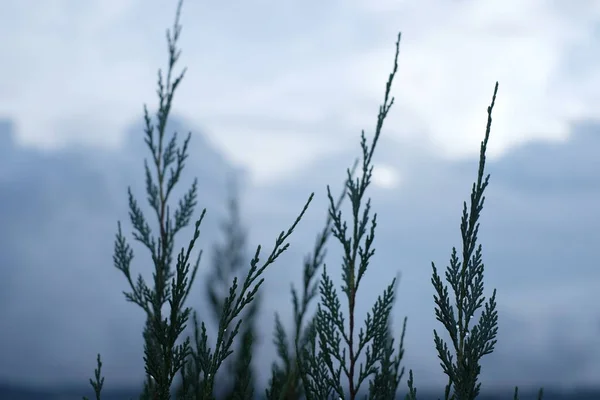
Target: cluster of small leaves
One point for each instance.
(465, 276)
(285, 380)
(321, 378)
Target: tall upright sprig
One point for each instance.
(163, 357)
(465, 276)
(321, 378)
(285, 380)
(466, 279)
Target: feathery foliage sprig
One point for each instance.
(321, 377)
(465, 276)
(326, 353)
(163, 357)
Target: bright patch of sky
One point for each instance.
(277, 84)
(385, 177)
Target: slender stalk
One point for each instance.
(322, 369)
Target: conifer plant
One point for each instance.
(321, 359)
(328, 370)
(465, 276)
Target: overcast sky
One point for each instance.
(280, 91)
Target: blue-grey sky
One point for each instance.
(281, 92)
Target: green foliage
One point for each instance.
(466, 279)
(465, 276)
(163, 357)
(323, 361)
(321, 376)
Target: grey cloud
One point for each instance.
(61, 300)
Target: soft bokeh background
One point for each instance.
(279, 91)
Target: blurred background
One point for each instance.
(276, 93)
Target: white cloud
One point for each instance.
(80, 72)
